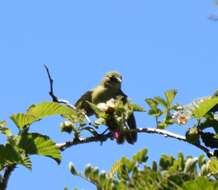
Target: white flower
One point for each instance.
(102, 106)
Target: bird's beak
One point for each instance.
(119, 79)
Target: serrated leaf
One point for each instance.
(203, 107)
(27, 162)
(22, 120)
(34, 143)
(44, 109)
(170, 95)
(11, 154)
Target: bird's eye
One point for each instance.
(113, 79)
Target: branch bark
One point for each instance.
(101, 138)
(6, 175)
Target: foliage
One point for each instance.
(19, 147)
(161, 108)
(169, 174)
(183, 173)
(202, 111)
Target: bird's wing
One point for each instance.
(131, 137)
(81, 103)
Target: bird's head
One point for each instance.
(112, 79)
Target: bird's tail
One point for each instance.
(131, 136)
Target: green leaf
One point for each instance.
(4, 130)
(161, 101)
(201, 183)
(151, 102)
(136, 107)
(155, 112)
(192, 135)
(10, 154)
(72, 169)
(44, 109)
(3, 123)
(213, 166)
(201, 160)
(22, 120)
(204, 107)
(34, 143)
(141, 156)
(162, 125)
(88, 170)
(170, 95)
(114, 168)
(190, 165)
(154, 166)
(166, 162)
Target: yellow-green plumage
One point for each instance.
(109, 87)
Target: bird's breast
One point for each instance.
(101, 94)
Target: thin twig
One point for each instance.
(51, 92)
(61, 101)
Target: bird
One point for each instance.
(109, 88)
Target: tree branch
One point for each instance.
(6, 175)
(61, 101)
(51, 92)
(77, 141)
(101, 138)
(166, 133)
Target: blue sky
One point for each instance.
(156, 45)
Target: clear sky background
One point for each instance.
(156, 45)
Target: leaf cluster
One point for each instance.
(181, 173)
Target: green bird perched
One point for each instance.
(109, 88)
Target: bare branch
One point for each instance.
(61, 101)
(101, 138)
(166, 133)
(6, 175)
(77, 141)
(51, 93)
